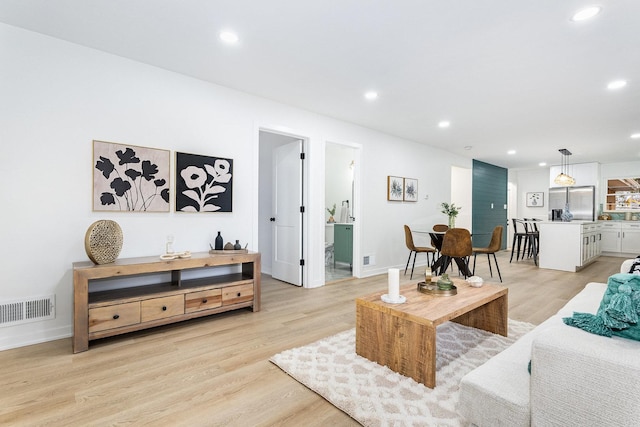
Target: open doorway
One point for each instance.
(340, 199)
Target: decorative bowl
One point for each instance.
(475, 281)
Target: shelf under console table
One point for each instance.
(102, 313)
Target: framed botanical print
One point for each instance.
(535, 199)
(395, 188)
(410, 190)
(130, 178)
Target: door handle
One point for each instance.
(272, 219)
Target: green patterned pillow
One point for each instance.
(618, 312)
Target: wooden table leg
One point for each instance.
(404, 346)
(491, 317)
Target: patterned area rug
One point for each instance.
(374, 395)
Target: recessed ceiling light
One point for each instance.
(635, 135)
(468, 147)
(371, 95)
(444, 124)
(228, 37)
(617, 84)
(510, 152)
(542, 164)
(586, 13)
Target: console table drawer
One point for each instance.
(237, 294)
(203, 300)
(114, 316)
(160, 308)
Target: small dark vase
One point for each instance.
(219, 242)
(237, 245)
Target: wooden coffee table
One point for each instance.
(403, 336)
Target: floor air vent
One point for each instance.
(27, 310)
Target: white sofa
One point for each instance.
(577, 378)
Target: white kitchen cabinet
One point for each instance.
(591, 238)
(611, 236)
(569, 246)
(630, 241)
(584, 173)
(620, 238)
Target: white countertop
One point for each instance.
(576, 222)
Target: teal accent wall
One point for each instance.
(489, 185)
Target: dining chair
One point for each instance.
(414, 250)
(438, 228)
(457, 246)
(441, 228)
(491, 249)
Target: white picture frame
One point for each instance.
(535, 199)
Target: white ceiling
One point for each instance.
(508, 74)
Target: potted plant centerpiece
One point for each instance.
(332, 212)
(451, 211)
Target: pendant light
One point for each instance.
(563, 178)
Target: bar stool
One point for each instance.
(518, 238)
(533, 238)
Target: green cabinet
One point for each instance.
(343, 243)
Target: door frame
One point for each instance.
(356, 212)
(277, 130)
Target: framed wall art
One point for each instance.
(130, 178)
(535, 199)
(410, 190)
(203, 183)
(395, 188)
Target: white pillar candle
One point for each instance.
(394, 283)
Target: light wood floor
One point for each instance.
(216, 371)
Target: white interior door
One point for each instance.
(287, 216)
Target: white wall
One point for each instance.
(520, 183)
(462, 196)
(533, 181)
(57, 97)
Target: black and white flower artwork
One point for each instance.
(203, 183)
(130, 178)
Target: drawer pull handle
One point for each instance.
(116, 316)
(239, 294)
(204, 301)
(164, 308)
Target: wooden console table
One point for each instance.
(99, 313)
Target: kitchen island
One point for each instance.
(569, 246)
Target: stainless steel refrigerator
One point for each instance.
(581, 199)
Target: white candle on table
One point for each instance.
(394, 283)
